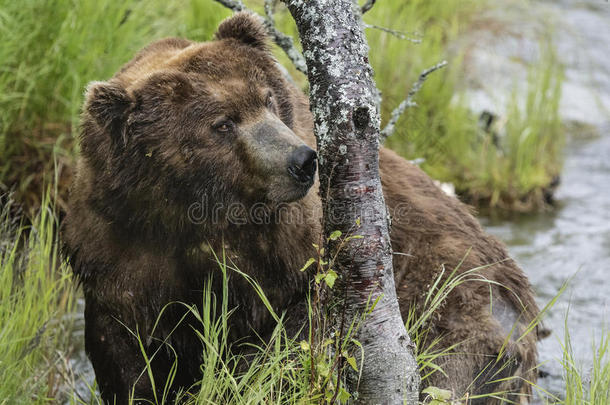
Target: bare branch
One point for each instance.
(367, 6)
(408, 102)
(282, 40)
(270, 8)
(235, 5)
(398, 34)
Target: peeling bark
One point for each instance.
(347, 126)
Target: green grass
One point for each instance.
(36, 310)
(590, 386)
(275, 374)
(515, 171)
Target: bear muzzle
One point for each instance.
(302, 165)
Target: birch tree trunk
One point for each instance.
(343, 101)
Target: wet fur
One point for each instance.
(134, 249)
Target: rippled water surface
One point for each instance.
(571, 242)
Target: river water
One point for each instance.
(572, 242)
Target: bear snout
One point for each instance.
(302, 164)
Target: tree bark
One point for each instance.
(342, 98)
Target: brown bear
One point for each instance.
(176, 150)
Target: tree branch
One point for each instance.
(367, 6)
(398, 34)
(235, 5)
(282, 40)
(408, 102)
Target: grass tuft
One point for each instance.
(586, 386)
(37, 310)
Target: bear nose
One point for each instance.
(302, 164)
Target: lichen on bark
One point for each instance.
(343, 99)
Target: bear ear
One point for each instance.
(247, 28)
(108, 104)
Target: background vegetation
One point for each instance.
(510, 167)
(51, 49)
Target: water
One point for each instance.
(570, 243)
(573, 242)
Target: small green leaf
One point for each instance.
(323, 369)
(351, 360)
(358, 221)
(335, 235)
(304, 345)
(327, 342)
(343, 396)
(330, 278)
(308, 263)
(357, 343)
(355, 237)
(319, 277)
(438, 394)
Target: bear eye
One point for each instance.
(224, 126)
(270, 102)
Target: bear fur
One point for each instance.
(186, 126)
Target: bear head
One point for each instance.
(184, 120)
